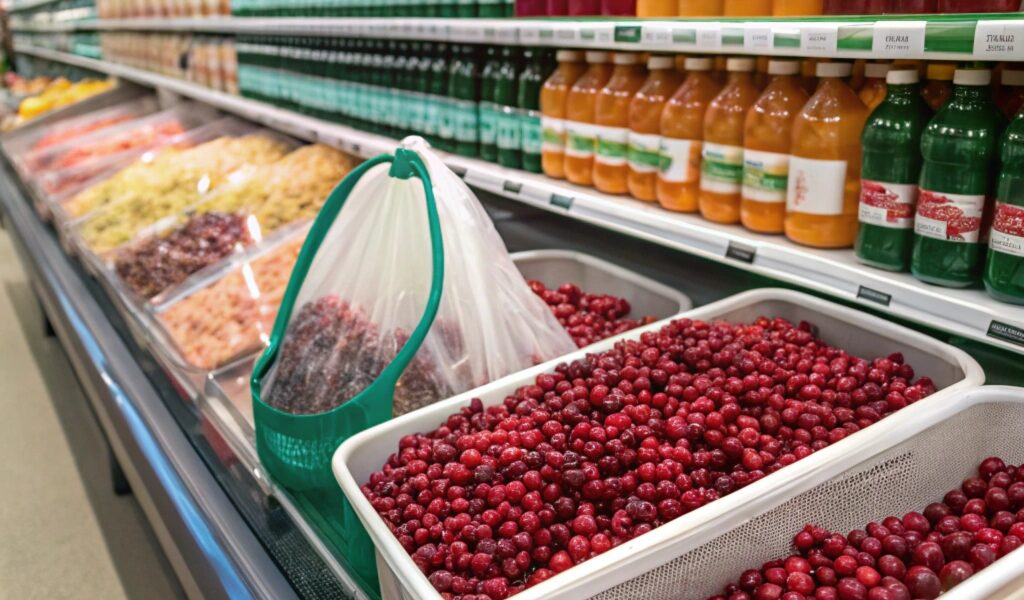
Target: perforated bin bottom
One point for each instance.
(905, 478)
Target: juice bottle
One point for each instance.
(645, 126)
(824, 169)
(719, 71)
(961, 156)
(1004, 271)
(700, 8)
(657, 8)
(721, 169)
(464, 91)
(490, 111)
(618, 8)
(855, 7)
(890, 171)
(682, 135)
(761, 75)
(1010, 96)
(796, 8)
(808, 80)
(873, 91)
(939, 88)
(558, 8)
(747, 8)
(912, 7)
(977, 6)
(531, 8)
(767, 135)
(506, 96)
(584, 8)
(553, 98)
(580, 106)
(530, 81)
(611, 166)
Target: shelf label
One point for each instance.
(529, 35)
(505, 35)
(999, 40)
(756, 37)
(511, 187)
(732, 36)
(627, 33)
(872, 295)
(684, 35)
(819, 39)
(709, 36)
(655, 35)
(1006, 332)
(741, 252)
(561, 201)
(896, 39)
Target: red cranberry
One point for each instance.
(923, 582)
(955, 573)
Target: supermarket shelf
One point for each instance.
(969, 313)
(21, 5)
(211, 548)
(942, 37)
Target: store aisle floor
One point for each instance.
(65, 533)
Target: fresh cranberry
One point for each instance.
(923, 583)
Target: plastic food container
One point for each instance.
(902, 470)
(952, 370)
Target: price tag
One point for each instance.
(681, 35)
(507, 35)
(873, 295)
(561, 201)
(656, 35)
(898, 39)
(474, 34)
(757, 37)
(511, 187)
(605, 34)
(566, 34)
(999, 40)
(709, 37)
(529, 35)
(741, 252)
(819, 39)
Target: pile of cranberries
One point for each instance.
(587, 317)
(607, 448)
(921, 555)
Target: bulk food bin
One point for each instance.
(952, 370)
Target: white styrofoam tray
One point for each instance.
(860, 334)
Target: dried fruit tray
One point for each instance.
(952, 370)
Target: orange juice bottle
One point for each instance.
(580, 106)
(553, 98)
(761, 76)
(939, 88)
(700, 8)
(645, 126)
(824, 165)
(873, 91)
(767, 134)
(796, 8)
(718, 71)
(747, 8)
(682, 132)
(611, 116)
(807, 79)
(721, 169)
(657, 8)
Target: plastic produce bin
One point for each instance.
(952, 370)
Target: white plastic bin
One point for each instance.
(952, 370)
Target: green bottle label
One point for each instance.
(509, 129)
(531, 132)
(721, 169)
(644, 152)
(612, 145)
(765, 176)
(489, 116)
(466, 121)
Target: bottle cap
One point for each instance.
(783, 67)
(902, 77)
(833, 69)
(660, 62)
(973, 77)
(568, 56)
(1013, 77)
(597, 56)
(697, 63)
(739, 64)
(941, 71)
(876, 70)
(625, 58)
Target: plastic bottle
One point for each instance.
(438, 111)
(1010, 97)
(645, 126)
(506, 96)
(464, 90)
(939, 88)
(618, 8)
(747, 8)
(1004, 270)
(584, 8)
(721, 170)
(961, 155)
(700, 8)
(796, 8)
(767, 135)
(872, 93)
(657, 8)
(528, 101)
(581, 104)
(808, 79)
(890, 171)
(611, 161)
(682, 135)
(490, 110)
(824, 170)
(553, 97)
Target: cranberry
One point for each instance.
(851, 589)
(928, 554)
(923, 583)
(955, 573)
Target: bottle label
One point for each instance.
(815, 186)
(445, 118)
(466, 120)
(612, 145)
(509, 129)
(1008, 230)
(530, 131)
(721, 169)
(887, 204)
(489, 123)
(950, 217)
(765, 175)
(580, 139)
(680, 160)
(644, 152)
(553, 134)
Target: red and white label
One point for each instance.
(887, 204)
(950, 217)
(1008, 230)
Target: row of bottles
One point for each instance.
(755, 8)
(489, 9)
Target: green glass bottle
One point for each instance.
(464, 95)
(440, 105)
(490, 110)
(423, 117)
(466, 9)
(506, 95)
(1004, 271)
(530, 82)
(960, 149)
(447, 8)
(890, 170)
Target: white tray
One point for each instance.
(864, 335)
